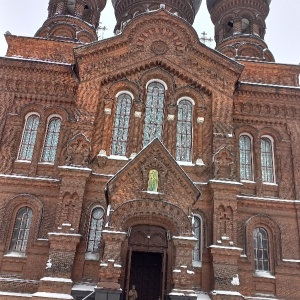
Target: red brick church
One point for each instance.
(148, 166)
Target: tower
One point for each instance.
(127, 10)
(74, 20)
(240, 28)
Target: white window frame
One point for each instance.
(157, 80)
(273, 159)
(24, 127)
(198, 263)
(45, 136)
(252, 156)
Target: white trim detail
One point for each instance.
(125, 92)
(186, 98)
(157, 80)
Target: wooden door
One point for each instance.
(146, 274)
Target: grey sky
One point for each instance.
(283, 38)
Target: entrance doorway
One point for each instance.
(147, 262)
(146, 274)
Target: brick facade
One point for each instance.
(59, 74)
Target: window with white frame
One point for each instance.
(184, 131)
(197, 231)
(267, 164)
(154, 112)
(121, 124)
(95, 229)
(51, 140)
(29, 137)
(245, 157)
(21, 230)
(261, 250)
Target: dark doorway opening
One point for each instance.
(146, 273)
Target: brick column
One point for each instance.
(224, 253)
(108, 287)
(57, 282)
(183, 274)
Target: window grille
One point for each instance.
(197, 234)
(121, 125)
(95, 230)
(21, 230)
(267, 168)
(29, 137)
(261, 251)
(51, 140)
(154, 112)
(245, 158)
(184, 131)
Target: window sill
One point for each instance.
(270, 183)
(23, 161)
(263, 274)
(185, 163)
(117, 157)
(197, 263)
(46, 163)
(92, 256)
(248, 181)
(15, 254)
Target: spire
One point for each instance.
(240, 28)
(73, 20)
(126, 10)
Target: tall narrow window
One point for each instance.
(245, 158)
(95, 230)
(197, 234)
(51, 140)
(267, 167)
(121, 125)
(21, 230)
(29, 137)
(261, 250)
(154, 112)
(184, 131)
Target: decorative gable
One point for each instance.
(153, 174)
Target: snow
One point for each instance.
(92, 256)
(15, 254)
(190, 238)
(226, 247)
(185, 163)
(19, 57)
(197, 264)
(15, 294)
(75, 168)
(48, 264)
(53, 295)
(64, 234)
(190, 272)
(292, 260)
(264, 274)
(235, 280)
(117, 157)
(226, 181)
(115, 232)
(232, 293)
(56, 279)
(267, 199)
(83, 287)
(202, 296)
(271, 85)
(30, 178)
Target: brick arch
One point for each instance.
(274, 236)
(272, 133)
(10, 210)
(246, 129)
(206, 228)
(64, 30)
(252, 50)
(85, 37)
(151, 212)
(188, 91)
(123, 85)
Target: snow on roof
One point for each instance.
(15, 294)
(53, 295)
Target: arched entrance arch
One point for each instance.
(155, 229)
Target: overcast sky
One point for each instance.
(21, 17)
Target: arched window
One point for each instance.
(29, 137)
(197, 226)
(95, 229)
(51, 140)
(121, 125)
(21, 230)
(184, 131)
(246, 158)
(261, 250)
(267, 166)
(154, 112)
